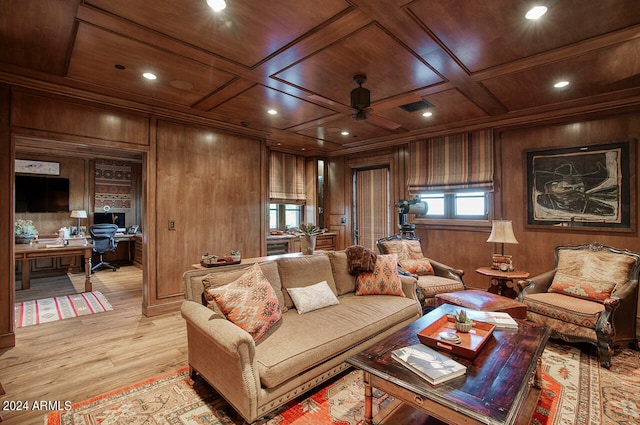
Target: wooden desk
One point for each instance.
(501, 278)
(26, 252)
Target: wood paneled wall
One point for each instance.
(469, 250)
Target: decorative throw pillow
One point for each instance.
(360, 259)
(421, 267)
(309, 298)
(590, 275)
(384, 279)
(250, 302)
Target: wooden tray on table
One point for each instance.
(471, 343)
(220, 263)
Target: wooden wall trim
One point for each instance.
(7, 279)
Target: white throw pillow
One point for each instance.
(309, 298)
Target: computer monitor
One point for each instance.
(111, 218)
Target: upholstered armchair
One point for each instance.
(591, 296)
(433, 276)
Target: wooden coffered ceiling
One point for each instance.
(476, 63)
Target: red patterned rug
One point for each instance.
(34, 312)
(576, 391)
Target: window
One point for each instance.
(458, 205)
(284, 216)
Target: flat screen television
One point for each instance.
(41, 194)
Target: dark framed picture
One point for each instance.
(589, 186)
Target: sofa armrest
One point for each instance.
(224, 355)
(536, 284)
(442, 270)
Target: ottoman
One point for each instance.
(484, 301)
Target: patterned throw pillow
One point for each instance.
(384, 279)
(250, 302)
(421, 267)
(590, 275)
(309, 298)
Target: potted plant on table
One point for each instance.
(463, 323)
(24, 231)
(308, 234)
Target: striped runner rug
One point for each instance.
(29, 313)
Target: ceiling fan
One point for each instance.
(361, 104)
(360, 98)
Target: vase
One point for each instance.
(307, 244)
(23, 239)
(464, 327)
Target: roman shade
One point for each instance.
(461, 161)
(286, 179)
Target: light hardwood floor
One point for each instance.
(76, 359)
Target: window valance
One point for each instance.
(286, 179)
(461, 161)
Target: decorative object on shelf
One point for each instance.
(463, 323)
(37, 167)
(409, 206)
(208, 258)
(235, 254)
(502, 233)
(78, 214)
(308, 234)
(24, 231)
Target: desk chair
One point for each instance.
(103, 239)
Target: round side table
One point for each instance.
(500, 279)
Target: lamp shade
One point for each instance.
(502, 232)
(78, 214)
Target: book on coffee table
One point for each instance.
(431, 365)
(499, 319)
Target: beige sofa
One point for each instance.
(302, 350)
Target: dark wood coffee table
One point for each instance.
(499, 388)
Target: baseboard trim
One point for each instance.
(8, 340)
(156, 310)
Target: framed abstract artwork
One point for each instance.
(588, 186)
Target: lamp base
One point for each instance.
(502, 262)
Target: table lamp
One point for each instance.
(502, 233)
(78, 214)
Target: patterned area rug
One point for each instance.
(29, 313)
(576, 392)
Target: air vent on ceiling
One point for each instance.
(416, 106)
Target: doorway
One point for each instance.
(371, 207)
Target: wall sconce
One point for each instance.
(502, 233)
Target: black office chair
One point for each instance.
(103, 239)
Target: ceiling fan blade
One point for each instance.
(379, 121)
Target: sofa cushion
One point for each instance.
(288, 351)
(250, 302)
(345, 281)
(270, 270)
(304, 271)
(360, 259)
(421, 267)
(384, 279)
(590, 275)
(309, 298)
(564, 308)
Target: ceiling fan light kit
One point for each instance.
(360, 96)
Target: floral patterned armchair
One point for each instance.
(591, 296)
(433, 277)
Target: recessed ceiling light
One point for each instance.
(217, 5)
(427, 114)
(272, 112)
(536, 12)
(561, 84)
(149, 76)
(344, 132)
